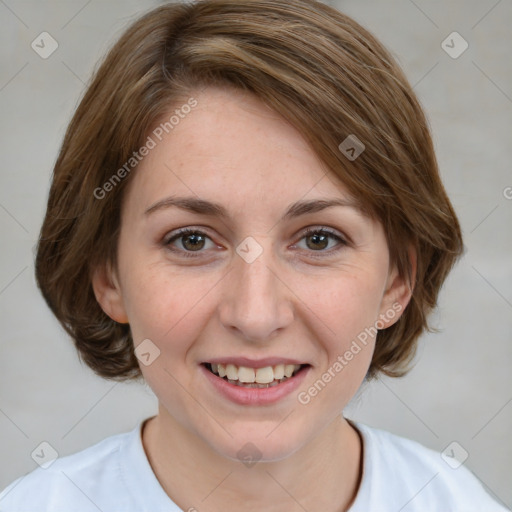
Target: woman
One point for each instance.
(247, 213)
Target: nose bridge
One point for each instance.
(255, 302)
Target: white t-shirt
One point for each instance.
(115, 476)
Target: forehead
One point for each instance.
(233, 149)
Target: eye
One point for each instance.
(189, 240)
(318, 240)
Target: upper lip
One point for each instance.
(254, 363)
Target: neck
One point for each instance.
(323, 475)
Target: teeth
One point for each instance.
(263, 375)
(279, 371)
(247, 375)
(254, 385)
(269, 375)
(232, 372)
(288, 370)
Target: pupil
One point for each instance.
(318, 238)
(196, 243)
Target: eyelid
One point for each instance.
(325, 229)
(176, 233)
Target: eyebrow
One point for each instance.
(203, 207)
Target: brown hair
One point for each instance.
(314, 66)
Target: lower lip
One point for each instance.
(255, 396)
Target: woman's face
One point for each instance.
(270, 276)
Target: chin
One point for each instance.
(254, 444)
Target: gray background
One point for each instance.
(460, 389)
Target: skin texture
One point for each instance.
(299, 299)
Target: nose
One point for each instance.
(255, 303)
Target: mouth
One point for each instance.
(260, 378)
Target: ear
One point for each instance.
(108, 293)
(398, 293)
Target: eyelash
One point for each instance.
(308, 232)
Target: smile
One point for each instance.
(253, 384)
(244, 376)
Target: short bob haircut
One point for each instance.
(317, 68)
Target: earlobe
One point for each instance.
(108, 293)
(398, 293)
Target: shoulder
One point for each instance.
(412, 477)
(81, 479)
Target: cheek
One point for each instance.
(164, 305)
(345, 310)
(170, 310)
(344, 305)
